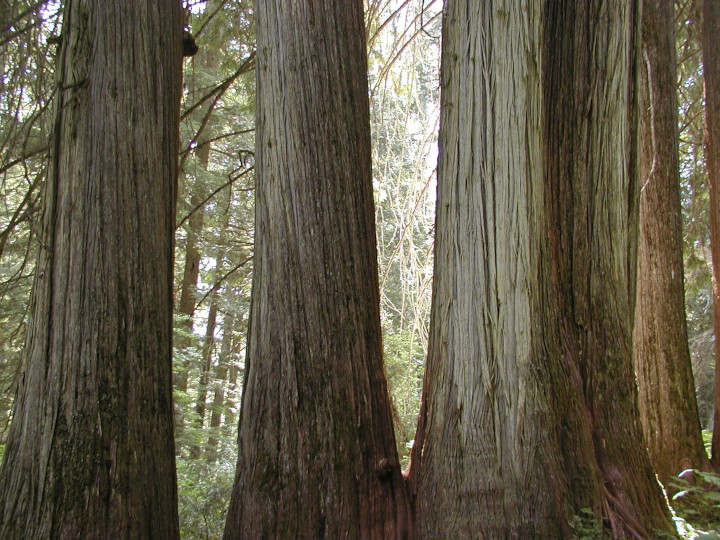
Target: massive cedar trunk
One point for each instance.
(591, 159)
(317, 454)
(668, 408)
(90, 453)
(711, 69)
(529, 414)
(481, 455)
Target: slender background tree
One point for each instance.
(711, 69)
(26, 89)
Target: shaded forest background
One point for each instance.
(214, 235)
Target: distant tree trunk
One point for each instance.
(207, 354)
(206, 59)
(90, 453)
(188, 292)
(221, 376)
(317, 456)
(668, 407)
(234, 371)
(191, 274)
(529, 415)
(209, 343)
(711, 69)
(191, 270)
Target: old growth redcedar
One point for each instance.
(90, 452)
(317, 455)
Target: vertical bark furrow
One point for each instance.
(529, 415)
(711, 71)
(590, 153)
(483, 452)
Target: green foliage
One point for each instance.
(404, 57)
(404, 362)
(215, 188)
(586, 527)
(707, 441)
(697, 499)
(26, 90)
(204, 489)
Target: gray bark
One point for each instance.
(487, 430)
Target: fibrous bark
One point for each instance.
(317, 455)
(591, 156)
(529, 426)
(90, 453)
(481, 455)
(711, 70)
(668, 408)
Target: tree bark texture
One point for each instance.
(486, 438)
(668, 408)
(317, 455)
(711, 70)
(590, 87)
(529, 411)
(90, 453)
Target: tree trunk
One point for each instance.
(188, 292)
(90, 453)
(191, 273)
(207, 59)
(209, 344)
(668, 407)
(529, 414)
(479, 459)
(221, 377)
(234, 372)
(590, 81)
(317, 455)
(207, 354)
(711, 69)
